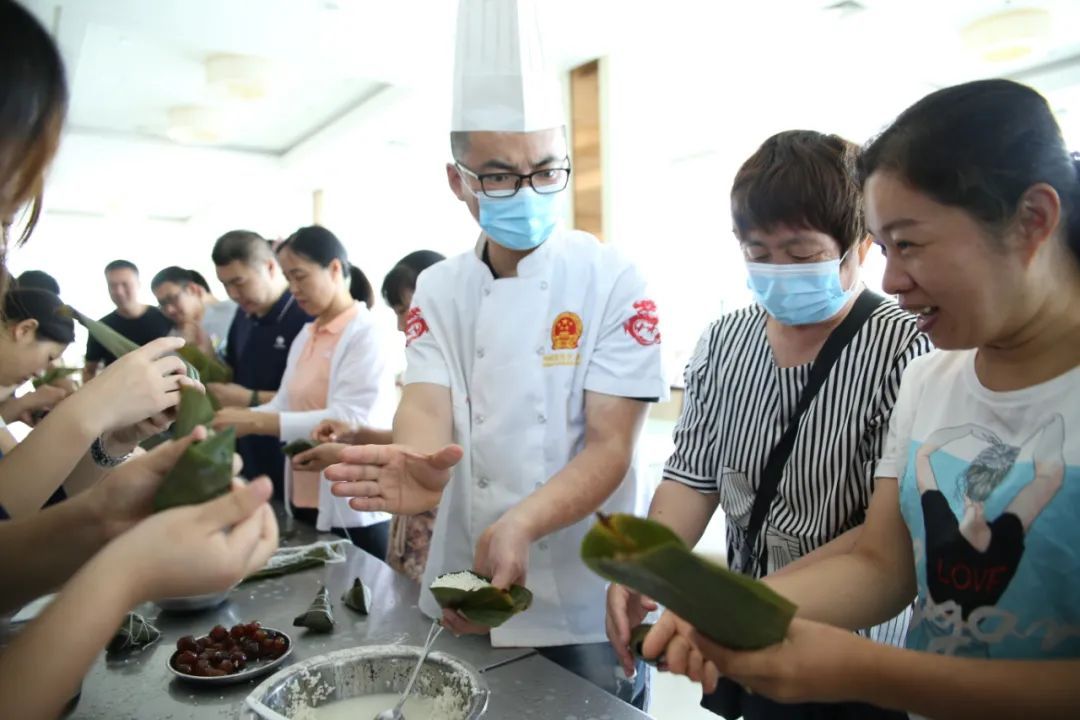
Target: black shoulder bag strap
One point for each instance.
(838, 339)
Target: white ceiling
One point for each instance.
(352, 74)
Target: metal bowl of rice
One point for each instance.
(305, 690)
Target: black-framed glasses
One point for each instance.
(506, 184)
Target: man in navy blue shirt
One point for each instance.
(259, 340)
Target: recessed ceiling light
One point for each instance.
(1009, 35)
(238, 77)
(193, 124)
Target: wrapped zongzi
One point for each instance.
(134, 633)
(477, 599)
(204, 471)
(358, 597)
(734, 610)
(320, 616)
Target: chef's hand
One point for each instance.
(318, 458)
(230, 394)
(392, 478)
(330, 431)
(458, 624)
(626, 609)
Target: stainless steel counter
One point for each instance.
(140, 686)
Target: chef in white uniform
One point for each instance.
(532, 359)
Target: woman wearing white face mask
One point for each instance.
(797, 214)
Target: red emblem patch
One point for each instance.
(566, 331)
(415, 326)
(644, 327)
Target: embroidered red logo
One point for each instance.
(415, 326)
(644, 327)
(566, 331)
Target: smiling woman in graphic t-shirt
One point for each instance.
(976, 515)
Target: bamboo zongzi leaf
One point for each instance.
(203, 472)
(211, 369)
(53, 374)
(477, 599)
(734, 610)
(320, 616)
(195, 409)
(115, 343)
(358, 597)
(298, 446)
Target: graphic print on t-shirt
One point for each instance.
(976, 515)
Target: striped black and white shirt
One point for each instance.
(737, 405)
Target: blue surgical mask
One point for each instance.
(520, 222)
(799, 293)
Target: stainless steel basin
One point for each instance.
(367, 670)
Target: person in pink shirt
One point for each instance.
(335, 369)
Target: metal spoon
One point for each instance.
(395, 713)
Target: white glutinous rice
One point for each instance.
(463, 580)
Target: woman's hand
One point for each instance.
(144, 383)
(318, 458)
(44, 398)
(246, 422)
(814, 663)
(626, 609)
(329, 431)
(198, 549)
(230, 394)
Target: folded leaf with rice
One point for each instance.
(477, 599)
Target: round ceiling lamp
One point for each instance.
(239, 77)
(193, 124)
(1009, 35)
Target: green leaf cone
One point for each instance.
(319, 617)
(210, 368)
(358, 597)
(203, 472)
(195, 409)
(735, 611)
(53, 374)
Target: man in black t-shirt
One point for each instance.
(135, 321)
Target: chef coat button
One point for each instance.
(487, 291)
(480, 352)
(539, 485)
(541, 418)
(482, 482)
(542, 545)
(544, 285)
(539, 349)
(479, 419)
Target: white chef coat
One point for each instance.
(361, 392)
(518, 355)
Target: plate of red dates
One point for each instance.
(225, 656)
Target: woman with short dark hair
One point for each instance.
(797, 215)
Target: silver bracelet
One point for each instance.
(102, 458)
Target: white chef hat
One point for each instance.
(502, 81)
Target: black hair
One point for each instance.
(121, 265)
(181, 276)
(41, 305)
(402, 277)
(244, 245)
(800, 179)
(35, 99)
(322, 247)
(38, 279)
(979, 146)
